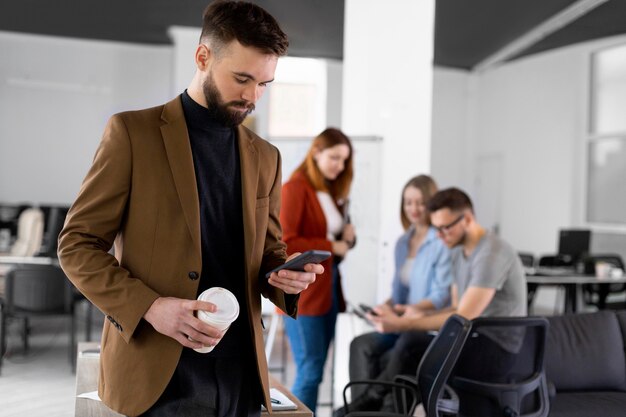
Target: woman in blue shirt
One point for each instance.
(421, 280)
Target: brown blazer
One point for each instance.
(141, 196)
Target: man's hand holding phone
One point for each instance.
(298, 272)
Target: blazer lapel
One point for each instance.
(178, 149)
(249, 159)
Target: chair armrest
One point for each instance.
(396, 387)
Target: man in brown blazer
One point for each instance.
(190, 199)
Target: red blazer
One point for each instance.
(304, 228)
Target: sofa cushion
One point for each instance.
(621, 319)
(588, 404)
(585, 352)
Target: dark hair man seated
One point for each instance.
(488, 281)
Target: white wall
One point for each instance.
(449, 147)
(532, 115)
(56, 95)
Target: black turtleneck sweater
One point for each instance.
(218, 176)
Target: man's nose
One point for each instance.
(251, 93)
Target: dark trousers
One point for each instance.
(402, 356)
(205, 386)
(369, 354)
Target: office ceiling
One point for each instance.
(466, 31)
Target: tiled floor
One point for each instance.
(41, 383)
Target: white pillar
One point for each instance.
(387, 88)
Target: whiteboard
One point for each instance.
(360, 269)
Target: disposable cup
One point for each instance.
(226, 313)
(603, 270)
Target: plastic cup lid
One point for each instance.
(226, 302)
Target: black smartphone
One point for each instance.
(368, 309)
(297, 263)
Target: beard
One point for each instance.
(462, 240)
(218, 110)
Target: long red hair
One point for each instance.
(339, 188)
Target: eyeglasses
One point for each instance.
(444, 229)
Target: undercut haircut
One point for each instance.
(452, 199)
(249, 24)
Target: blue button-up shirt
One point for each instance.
(430, 276)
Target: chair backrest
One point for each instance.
(554, 260)
(438, 361)
(29, 233)
(501, 368)
(610, 258)
(528, 259)
(53, 225)
(37, 289)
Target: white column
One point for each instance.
(387, 87)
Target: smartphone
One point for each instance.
(368, 309)
(297, 263)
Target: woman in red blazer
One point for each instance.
(313, 217)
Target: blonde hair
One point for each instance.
(427, 187)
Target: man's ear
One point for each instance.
(203, 57)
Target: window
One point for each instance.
(606, 163)
(297, 98)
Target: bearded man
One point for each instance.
(190, 199)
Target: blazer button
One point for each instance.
(193, 275)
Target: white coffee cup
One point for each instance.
(603, 270)
(227, 311)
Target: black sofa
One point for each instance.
(585, 364)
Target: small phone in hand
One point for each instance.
(297, 263)
(368, 309)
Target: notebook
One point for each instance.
(280, 401)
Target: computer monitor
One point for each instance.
(574, 244)
(55, 217)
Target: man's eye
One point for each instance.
(262, 84)
(241, 80)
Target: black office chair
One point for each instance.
(528, 261)
(501, 369)
(602, 291)
(432, 376)
(555, 260)
(36, 290)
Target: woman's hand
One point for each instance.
(348, 234)
(340, 248)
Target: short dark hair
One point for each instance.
(450, 198)
(225, 21)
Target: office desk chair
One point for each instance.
(528, 262)
(602, 291)
(501, 369)
(30, 226)
(36, 290)
(430, 383)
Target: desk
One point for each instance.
(88, 366)
(573, 286)
(39, 260)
